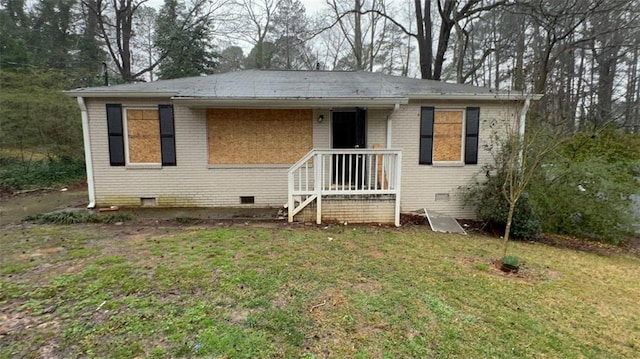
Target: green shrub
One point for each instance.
(18, 175)
(511, 261)
(585, 188)
(36, 116)
(492, 208)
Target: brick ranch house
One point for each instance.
(353, 146)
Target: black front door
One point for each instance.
(348, 132)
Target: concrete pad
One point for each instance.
(443, 223)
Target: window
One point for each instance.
(449, 135)
(143, 129)
(149, 135)
(258, 136)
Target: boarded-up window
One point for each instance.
(143, 135)
(447, 135)
(258, 136)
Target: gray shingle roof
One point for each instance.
(280, 84)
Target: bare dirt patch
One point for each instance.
(15, 208)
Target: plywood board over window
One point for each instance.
(447, 135)
(258, 136)
(143, 135)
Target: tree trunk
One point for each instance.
(519, 76)
(423, 23)
(461, 44)
(443, 38)
(507, 230)
(630, 99)
(357, 44)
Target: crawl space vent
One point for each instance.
(148, 202)
(247, 200)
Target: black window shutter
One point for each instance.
(426, 136)
(471, 136)
(167, 135)
(116, 134)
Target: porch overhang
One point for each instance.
(288, 102)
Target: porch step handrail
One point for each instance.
(331, 172)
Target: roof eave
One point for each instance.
(132, 94)
(284, 102)
(476, 96)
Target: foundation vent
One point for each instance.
(148, 201)
(247, 200)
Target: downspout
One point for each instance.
(87, 153)
(523, 124)
(390, 124)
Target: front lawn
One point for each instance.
(262, 291)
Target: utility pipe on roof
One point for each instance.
(87, 153)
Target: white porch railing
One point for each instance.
(322, 173)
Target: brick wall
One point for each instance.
(351, 210)
(194, 183)
(439, 187)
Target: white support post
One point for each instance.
(290, 204)
(318, 162)
(398, 187)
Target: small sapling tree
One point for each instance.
(524, 154)
(517, 159)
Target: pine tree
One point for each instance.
(186, 46)
(288, 32)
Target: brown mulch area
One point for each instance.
(412, 219)
(630, 246)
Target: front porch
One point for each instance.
(357, 178)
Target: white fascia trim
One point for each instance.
(88, 159)
(289, 102)
(120, 94)
(476, 97)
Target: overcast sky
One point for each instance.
(312, 6)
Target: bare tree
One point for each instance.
(144, 21)
(449, 13)
(521, 156)
(255, 27)
(364, 29)
(117, 29)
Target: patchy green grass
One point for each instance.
(74, 217)
(278, 291)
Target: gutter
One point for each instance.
(289, 102)
(88, 159)
(116, 94)
(475, 96)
